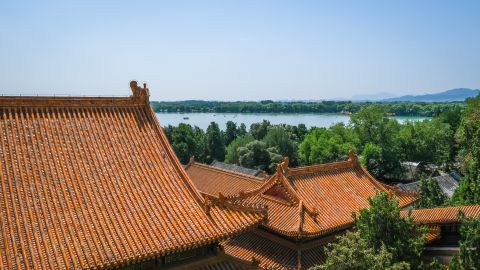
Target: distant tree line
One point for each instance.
(268, 106)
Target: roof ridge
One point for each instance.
(320, 167)
(277, 178)
(231, 203)
(215, 161)
(139, 97)
(176, 163)
(384, 187)
(300, 218)
(225, 171)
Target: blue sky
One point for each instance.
(239, 50)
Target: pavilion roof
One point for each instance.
(311, 201)
(92, 182)
(212, 180)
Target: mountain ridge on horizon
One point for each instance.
(456, 94)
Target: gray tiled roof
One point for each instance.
(235, 168)
(447, 183)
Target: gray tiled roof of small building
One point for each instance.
(235, 168)
(447, 183)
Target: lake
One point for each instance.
(202, 120)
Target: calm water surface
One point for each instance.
(202, 120)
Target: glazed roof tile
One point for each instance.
(227, 265)
(310, 201)
(433, 233)
(271, 254)
(93, 183)
(442, 215)
(212, 180)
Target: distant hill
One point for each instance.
(372, 97)
(458, 94)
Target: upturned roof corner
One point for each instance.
(282, 167)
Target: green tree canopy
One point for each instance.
(186, 142)
(231, 132)
(352, 252)
(382, 226)
(242, 130)
(468, 137)
(232, 149)
(259, 130)
(215, 143)
(373, 126)
(431, 195)
(281, 139)
(381, 239)
(323, 145)
(468, 258)
(371, 158)
(453, 119)
(427, 141)
(257, 155)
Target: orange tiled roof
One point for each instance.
(212, 180)
(315, 200)
(93, 183)
(228, 264)
(433, 233)
(443, 215)
(271, 254)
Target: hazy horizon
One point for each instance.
(250, 50)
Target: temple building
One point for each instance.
(444, 235)
(308, 207)
(92, 183)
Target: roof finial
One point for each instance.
(286, 160)
(191, 161)
(255, 261)
(352, 157)
(207, 205)
(140, 93)
(221, 198)
(314, 213)
(390, 194)
(280, 168)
